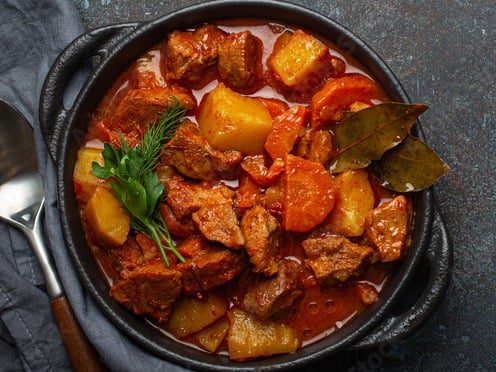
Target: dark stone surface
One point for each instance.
(444, 54)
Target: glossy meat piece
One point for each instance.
(388, 228)
(240, 65)
(149, 290)
(133, 253)
(366, 293)
(140, 107)
(316, 146)
(147, 72)
(259, 172)
(335, 259)
(219, 223)
(190, 153)
(127, 257)
(178, 227)
(272, 296)
(185, 197)
(191, 56)
(207, 266)
(262, 232)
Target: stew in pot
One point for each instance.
(217, 197)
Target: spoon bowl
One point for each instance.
(21, 189)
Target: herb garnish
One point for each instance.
(135, 184)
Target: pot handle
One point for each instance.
(73, 60)
(439, 261)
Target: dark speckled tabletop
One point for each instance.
(444, 54)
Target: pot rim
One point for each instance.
(120, 55)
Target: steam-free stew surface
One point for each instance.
(274, 244)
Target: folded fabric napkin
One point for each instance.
(32, 34)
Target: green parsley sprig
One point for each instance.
(134, 183)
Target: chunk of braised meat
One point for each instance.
(185, 197)
(240, 61)
(144, 71)
(178, 227)
(151, 290)
(219, 223)
(127, 257)
(335, 259)
(388, 227)
(191, 57)
(316, 146)
(274, 296)
(207, 266)
(262, 234)
(140, 107)
(190, 153)
(366, 293)
(256, 167)
(133, 253)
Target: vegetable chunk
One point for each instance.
(286, 129)
(108, 220)
(85, 182)
(231, 121)
(336, 97)
(301, 62)
(191, 315)
(212, 336)
(250, 338)
(308, 194)
(354, 200)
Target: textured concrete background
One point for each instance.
(444, 54)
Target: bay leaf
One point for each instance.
(365, 135)
(410, 166)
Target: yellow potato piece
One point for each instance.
(85, 182)
(230, 121)
(353, 199)
(191, 315)
(250, 338)
(299, 58)
(106, 218)
(212, 336)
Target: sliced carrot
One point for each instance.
(286, 128)
(336, 96)
(308, 194)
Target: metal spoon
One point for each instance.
(21, 204)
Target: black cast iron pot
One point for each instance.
(110, 50)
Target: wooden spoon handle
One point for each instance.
(81, 352)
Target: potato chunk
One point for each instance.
(108, 221)
(85, 182)
(301, 56)
(191, 315)
(249, 338)
(354, 199)
(231, 121)
(301, 62)
(212, 336)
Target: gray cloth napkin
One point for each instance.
(32, 34)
